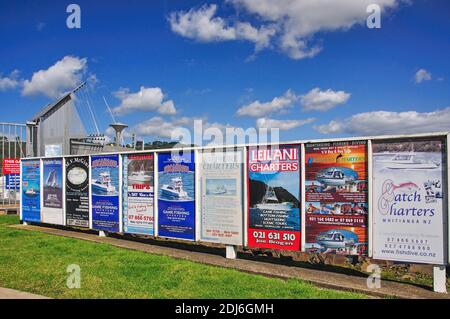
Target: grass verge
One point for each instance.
(37, 263)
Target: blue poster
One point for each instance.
(12, 182)
(176, 195)
(31, 191)
(105, 192)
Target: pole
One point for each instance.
(439, 279)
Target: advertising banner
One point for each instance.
(12, 182)
(408, 200)
(31, 191)
(274, 197)
(138, 194)
(52, 201)
(336, 199)
(222, 210)
(77, 191)
(11, 166)
(176, 195)
(105, 192)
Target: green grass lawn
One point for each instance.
(35, 262)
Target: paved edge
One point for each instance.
(6, 293)
(320, 278)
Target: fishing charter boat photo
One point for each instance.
(220, 190)
(103, 185)
(334, 177)
(174, 190)
(31, 192)
(139, 177)
(408, 161)
(334, 240)
(270, 202)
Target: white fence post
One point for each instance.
(231, 252)
(439, 279)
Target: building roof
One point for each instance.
(50, 108)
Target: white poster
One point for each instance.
(408, 200)
(222, 211)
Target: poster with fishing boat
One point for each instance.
(274, 197)
(222, 209)
(336, 199)
(176, 195)
(31, 191)
(77, 191)
(137, 193)
(408, 200)
(52, 199)
(105, 192)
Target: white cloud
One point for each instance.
(422, 75)
(61, 77)
(282, 125)
(10, 81)
(145, 100)
(160, 127)
(317, 100)
(278, 104)
(202, 25)
(287, 24)
(384, 122)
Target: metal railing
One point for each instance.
(12, 146)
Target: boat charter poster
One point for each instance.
(31, 191)
(222, 208)
(77, 191)
(176, 195)
(137, 193)
(274, 197)
(336, 200)
(408, 201)
(105, 192)
(52, 197)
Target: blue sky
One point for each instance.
(208, 59)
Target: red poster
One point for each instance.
(274, 197)
(11, 166)
(336, 198)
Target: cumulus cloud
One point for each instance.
(276, 105)
(384, 122)
(61, 77)
(289, 25)
(157, 126)
(422, 75)
(202, 25)
(10, 81)
(145, 100)
(317, 100)
(282, 125)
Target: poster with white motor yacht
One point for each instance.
(176, 195)
(336, 199)
(274, 197)
(31, 190)
(52, 201)
(137, 193)
(105, 192)
(408, 200)
(77, 191)
(222, 209)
